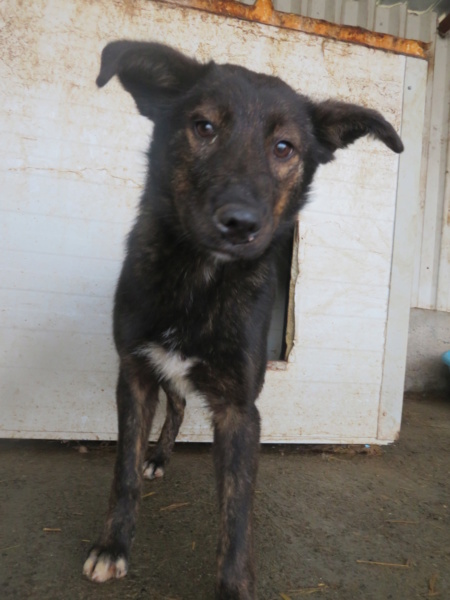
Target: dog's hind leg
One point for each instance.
(236, 449)
(137, 396)
(158, 456)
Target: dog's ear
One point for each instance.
(152, 73)
(338, 124)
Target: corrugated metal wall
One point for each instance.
(431, 287)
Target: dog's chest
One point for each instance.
(172, 367)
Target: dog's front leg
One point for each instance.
(137, 396)
(158, 457)
(236, 449)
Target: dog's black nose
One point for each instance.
(238, 224)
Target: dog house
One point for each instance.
(72, 170)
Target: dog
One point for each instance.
(232, 158)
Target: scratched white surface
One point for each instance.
(72, 168)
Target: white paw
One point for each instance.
(151, 471)
(101, 566)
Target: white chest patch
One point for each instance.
(171, 366)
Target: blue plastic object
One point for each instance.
(446, 358)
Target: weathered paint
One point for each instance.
(405, 234)
(263, 12)
(72, 169)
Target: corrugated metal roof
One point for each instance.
(421, 6)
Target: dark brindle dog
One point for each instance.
(232, 157)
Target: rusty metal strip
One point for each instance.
(263, 12)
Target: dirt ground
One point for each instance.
(330, 522)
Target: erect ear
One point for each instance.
(338, 124)
(152, 73)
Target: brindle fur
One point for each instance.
(197, 284)
(158, 457)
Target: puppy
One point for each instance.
(232, 157)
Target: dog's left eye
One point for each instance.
(283, 149)
(205, 129)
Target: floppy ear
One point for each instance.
(338, 124)
(152, 73)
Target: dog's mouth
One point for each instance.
(224, 249)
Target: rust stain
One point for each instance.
(131, 7)
(263, 12)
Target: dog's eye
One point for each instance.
(205, 129)
(283, 149)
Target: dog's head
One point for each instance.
(233, 151)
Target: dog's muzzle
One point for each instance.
(238, 224)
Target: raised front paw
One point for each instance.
(153, 469)
(103, 564)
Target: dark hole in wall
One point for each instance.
(276, 349)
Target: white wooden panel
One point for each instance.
(435, 178)
(349, 266)
(341, 298)
(443, 299)
(58, 274)
(73, 167)
(336, 332)
(402, 260)
(338, 365)
(351, 415)
(427, 133)
(349, 232)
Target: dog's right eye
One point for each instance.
(283, 150)
(205, 129)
